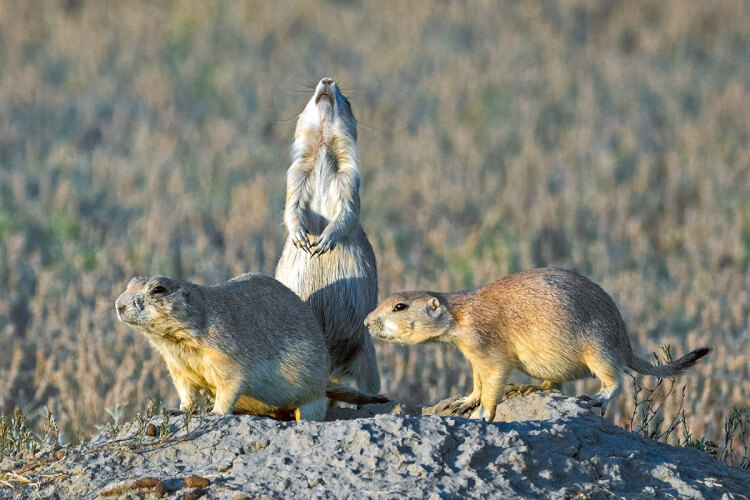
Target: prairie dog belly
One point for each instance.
(349, 261)
(551, 354)
(339, 287)
(324, 195)
(555, 369)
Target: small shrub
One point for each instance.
(648, 403)
(648, 421)
(17, 436)
(116, 414)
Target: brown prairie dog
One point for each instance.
(551, 324)
(327, 259)
(251, 341)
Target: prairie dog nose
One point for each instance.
(119, 306)
(327, 81)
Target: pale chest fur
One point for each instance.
(200, 366)
(323, 192)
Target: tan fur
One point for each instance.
(551, 324)
(327, 259)
(250, 341)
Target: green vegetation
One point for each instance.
(17, 436)
(153, 138)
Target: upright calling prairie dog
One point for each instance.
(327, 259)
(552, 324)
(251, 341)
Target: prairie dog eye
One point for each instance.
(400, 307)
(158, 290)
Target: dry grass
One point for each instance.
(141, 137)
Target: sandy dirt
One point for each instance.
(543, 445)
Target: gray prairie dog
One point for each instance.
(552, 324)
(327, 259)
(251, 341)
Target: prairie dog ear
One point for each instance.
(433, 307)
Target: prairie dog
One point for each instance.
(251, 341)
(551, 324)
(327, 259)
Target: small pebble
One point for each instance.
(196, 482)
(151, 430)
(147, 482)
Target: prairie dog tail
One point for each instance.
(669, 370)
(345, 394)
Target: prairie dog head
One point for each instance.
(411, 318)
(327, 108)
(163, 307)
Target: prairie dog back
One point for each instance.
(327, 259)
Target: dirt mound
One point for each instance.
(546, 445)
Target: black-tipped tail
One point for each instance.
(345, 394)
(669, 370)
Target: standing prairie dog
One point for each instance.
(251, 341)
(551, 324)
(327, 259)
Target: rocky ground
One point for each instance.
(543, 445)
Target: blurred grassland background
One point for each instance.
(153, 137)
